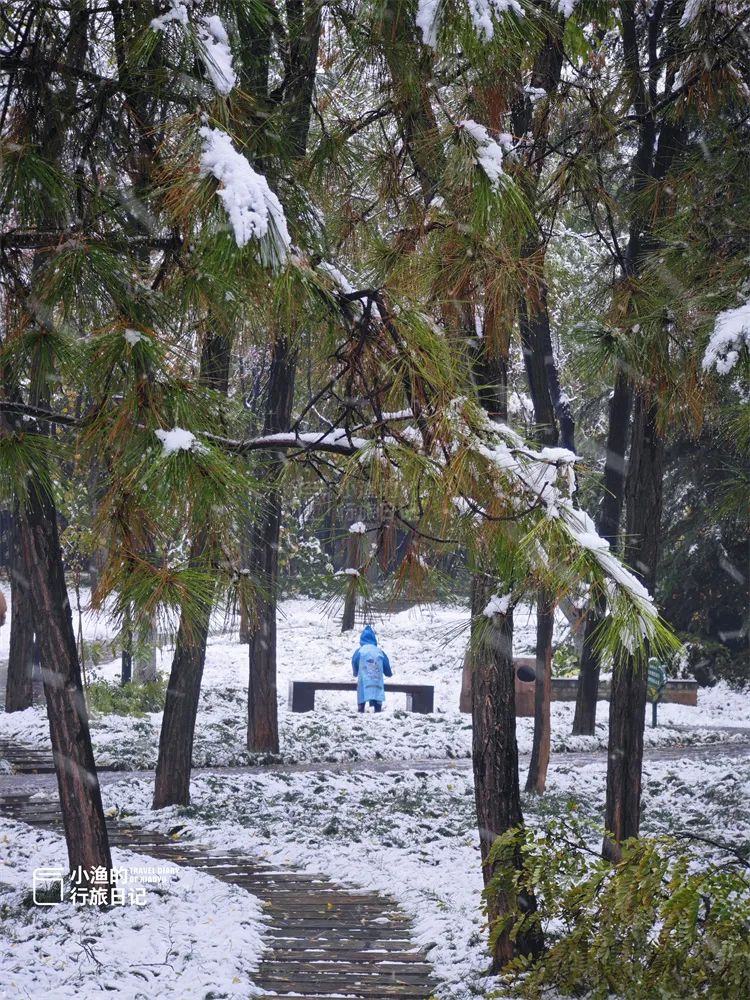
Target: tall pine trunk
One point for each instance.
(19, 692)
(350, 600)
(608, 526)
(262, 708)
(173, 766)
(495, 763)
(303, 30)
(77, 781)
(550, 411)
(536, 779)
(627, 707)
(489, 669)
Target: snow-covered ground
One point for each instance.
(193, 936)
(424, 645)
(410, 833)
(413, 834)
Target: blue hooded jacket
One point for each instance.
(369, 666)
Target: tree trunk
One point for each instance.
(550, 410)
(77, 781)
(126, 655)
(244, 637)
(144, 668)
(350, 600)
(541, 371)
(19, 692)
(608, 526)
(490, 375)
(495, 763)
(263, 722)
(303, 30)
(465, 698)
(173, 766)
(587, 691)
(545, 620)
(627, 707)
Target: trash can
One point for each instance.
(525, 670)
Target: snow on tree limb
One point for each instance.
(482, 12)
(253, 209)
(177, 13)
(489, 151)
(178, 439)
(546, 478)
(213, 42)
(731, 332)
(217, 54)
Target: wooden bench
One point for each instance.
(565, 688)
(419, 697)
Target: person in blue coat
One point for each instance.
(370, 665)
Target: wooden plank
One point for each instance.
(335, 953)
(359, 944)
(393, 972)
(336, 901)
(378, 991)
(350, 936)
(337, 923)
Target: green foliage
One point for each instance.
(136, 698)
(303, 565)
(24, 464)
(565, 661)
(98, 651)
(666, 921)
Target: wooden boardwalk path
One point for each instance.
(323, 940)
(25, 759)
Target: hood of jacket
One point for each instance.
(368, 637)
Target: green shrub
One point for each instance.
(670, 920)
(98, 651)
(135, 698)
(565, 660)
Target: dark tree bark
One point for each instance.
(77, 781)
(173, 766)
(410, 69)
(540, 750)
(553, 418)
(627, 706)
(304, 27)
(608, 526)
(495, 763)
(47, 117)
(495, 754)
(19, 693)
(350, 600)
(490, 375)
(544, 385)
(126, 654)
(541, 370)
(263, 724)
